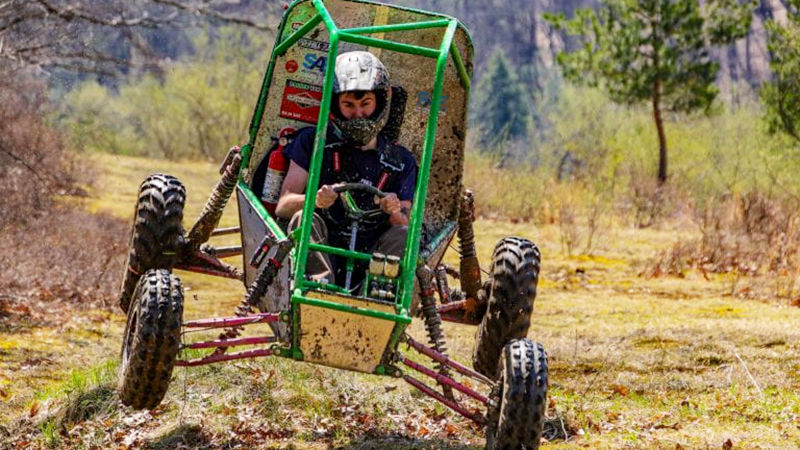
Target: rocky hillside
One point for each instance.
(517, 27)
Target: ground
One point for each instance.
(635, 362)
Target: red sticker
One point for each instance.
(292, 66)
(301, 101)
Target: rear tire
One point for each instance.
(520, 397)
(157, 231)
(511, 292)
(152, 339)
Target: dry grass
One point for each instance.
(635, 362)
(753, 238)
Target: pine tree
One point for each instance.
(500, 106)
(781, 95)
(654, 51)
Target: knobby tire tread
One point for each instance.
(157, 231)
(520, 396)
(152, 339)
(511, 290)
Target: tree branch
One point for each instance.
(72, 13)
(212, 13)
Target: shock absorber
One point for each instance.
(433, 322)
(258, 287)
(469, 267)
(441, 283)
(212, 210)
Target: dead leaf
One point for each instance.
(34, 409)
(727, 445)
(390, 388)
(620, 389)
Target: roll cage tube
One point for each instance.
(446, 49)
(411, 252)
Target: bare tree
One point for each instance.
(86, 35)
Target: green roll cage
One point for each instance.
(301, 236)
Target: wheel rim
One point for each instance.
(129, 337)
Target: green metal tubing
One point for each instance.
(411, 253)
(246, 151)
(338, 251)
(389, 45)
(398, 27)
(350, 309)
(462, 71)
(326, 17)
(326, 287)
(397, 333)
(261, 211)
(297, 35)
(319, 147)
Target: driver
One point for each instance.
(356, 152)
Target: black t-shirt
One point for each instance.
(362, 166)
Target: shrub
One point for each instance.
(196, 109)
(51, 251)
(755, 235)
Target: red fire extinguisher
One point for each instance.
(277, 166)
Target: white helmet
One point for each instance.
(361, 72)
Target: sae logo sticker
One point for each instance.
(313, 67)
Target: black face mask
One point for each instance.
(359, 132)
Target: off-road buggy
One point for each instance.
(352, 326)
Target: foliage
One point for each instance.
(781, 95)
(50, 250)
(654, 51)
(197, 109)
(501, 113)
(754, 234)
(599, 150)
(34, 163)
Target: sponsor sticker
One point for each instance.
(301, 101)
(314, 65)
(424, 100)
(310, 44)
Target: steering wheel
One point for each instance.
(353, 211)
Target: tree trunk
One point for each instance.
(662, 138)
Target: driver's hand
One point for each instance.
(390, 204)
(326, 197)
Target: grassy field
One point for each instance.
(635, 362)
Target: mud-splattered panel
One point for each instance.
(341, 339)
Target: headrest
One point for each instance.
(397, 112)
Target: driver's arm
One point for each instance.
(293, 193)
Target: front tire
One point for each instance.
(152, 339)
(157, 231)
(511, 292)
(520, 398)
